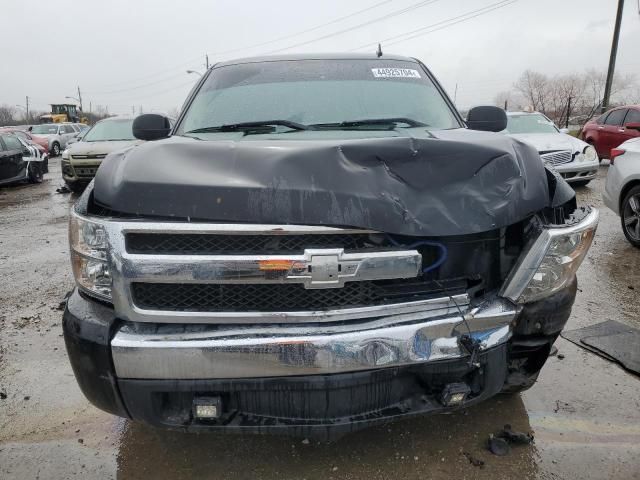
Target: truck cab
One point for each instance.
(320, 243)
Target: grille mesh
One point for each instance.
(285, 297)
(208, 244)
(557, 157)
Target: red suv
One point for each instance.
(612, 128)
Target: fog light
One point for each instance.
(207, 408)
(454, 394)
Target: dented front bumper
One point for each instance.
(196, 351)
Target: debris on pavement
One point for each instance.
(500, 443)
(498, 446)
(63, 189)
(476, 462)
(611, 340)
(514, 437)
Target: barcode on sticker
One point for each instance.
(395, 73)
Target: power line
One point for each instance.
(439, 25)
(302, 32)
(138, 87)
(355, 27)
(257, 45)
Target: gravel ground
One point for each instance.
(584, 411)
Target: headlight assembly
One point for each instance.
(551, 261)
(88, 241)
(589, 154)
(65, 154)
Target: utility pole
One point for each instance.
(612, 57)
(27, 105)
(566, 124)
(506, 104)
(206, 57)
(455, 94)
(80, 98)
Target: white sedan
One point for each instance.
(622, 190)
(575, 160)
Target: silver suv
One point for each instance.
(57, 134)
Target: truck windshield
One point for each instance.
(318, 92)
(530, 124)
(110, 130)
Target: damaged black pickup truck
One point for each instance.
(319, 244)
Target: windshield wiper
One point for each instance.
(385, 122)
(235, 127)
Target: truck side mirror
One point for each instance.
(632, 126)
(487, 118)
(151, 126)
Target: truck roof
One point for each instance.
(315, 56)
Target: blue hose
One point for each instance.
(440, 246)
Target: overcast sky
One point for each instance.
(125, 53)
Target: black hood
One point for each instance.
(441, 183)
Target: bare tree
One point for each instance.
(7, 115)
(595, 80)
(533, 86)
(503, 99)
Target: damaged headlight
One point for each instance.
(589, 154)
(551, 261)
(88, 242)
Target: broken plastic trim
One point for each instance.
(540, 250)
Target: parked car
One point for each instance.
(612, 128)
(82, 127)
(576, 161)
(56, 134)
(19, 161)
(43, 142)
(81, 159)
(277, 262)
(622, 189)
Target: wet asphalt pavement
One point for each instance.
(584, 411)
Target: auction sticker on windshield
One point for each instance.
(395, 73)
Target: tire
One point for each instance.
(581, 183)
(55, 149)
(35, 172)
(630, 216)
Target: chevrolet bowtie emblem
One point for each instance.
(331, 268)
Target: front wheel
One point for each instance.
(630, 216)
(35, 172)
(55, 149)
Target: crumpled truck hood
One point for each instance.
(448, 182)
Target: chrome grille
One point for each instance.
(86, 171)
(92, 156)
(191, 272)
(286, 298)
(556, 157)
(204, 244)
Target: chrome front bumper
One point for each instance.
(577, 171)
(209, 351)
